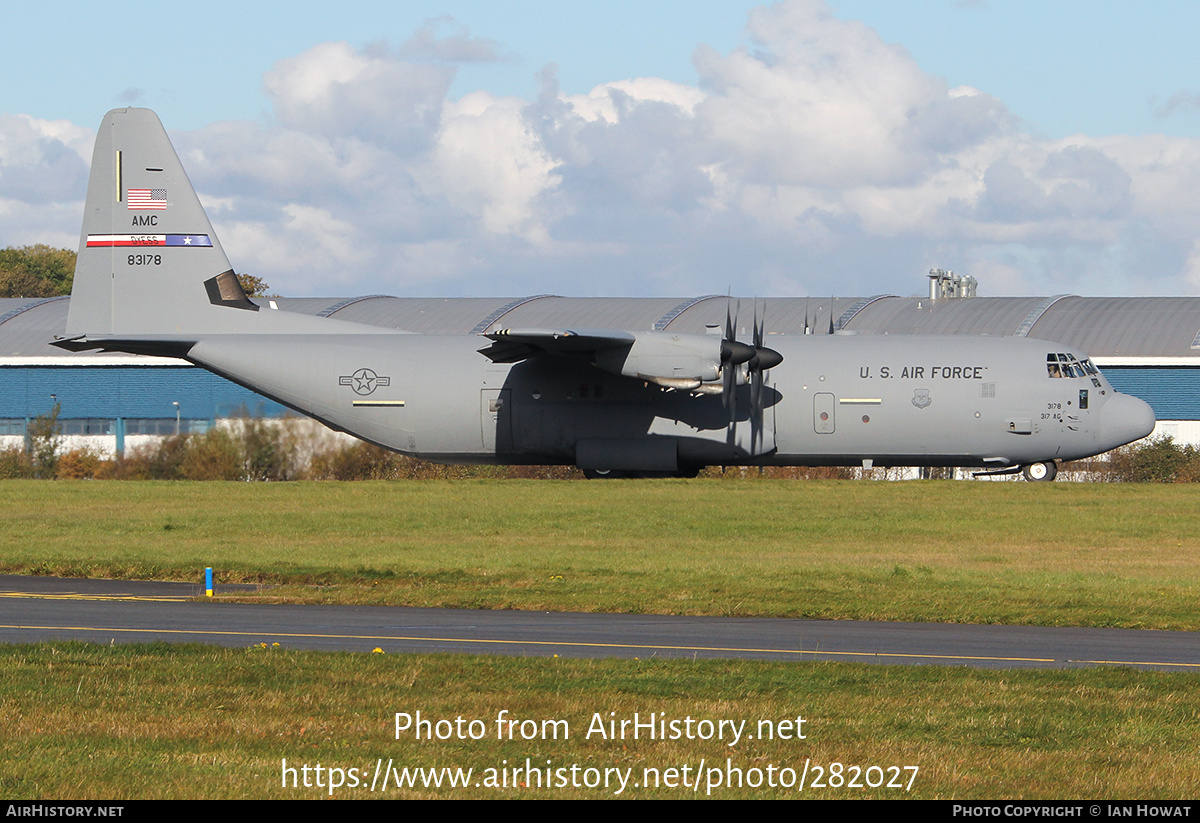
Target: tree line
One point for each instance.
(36, 271)
(43, 271)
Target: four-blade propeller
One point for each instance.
(745, 360)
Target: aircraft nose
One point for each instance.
(1125, 419)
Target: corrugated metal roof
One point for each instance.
(920, 315)
(1124, 326)
(28, 326)
(1100, 326)
(782, 315)
(591, 312)
(423, 315)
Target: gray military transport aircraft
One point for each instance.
(151, 278)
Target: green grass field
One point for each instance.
(100, 722)
(1124, 555)
(86, 721)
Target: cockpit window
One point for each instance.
(1060, 364)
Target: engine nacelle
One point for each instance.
(677, 361)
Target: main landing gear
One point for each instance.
(1040, 472)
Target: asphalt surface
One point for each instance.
(34, 609)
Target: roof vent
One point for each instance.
(943, 284)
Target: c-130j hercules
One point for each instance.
(151, 278)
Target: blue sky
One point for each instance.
(1063, 67)
(796, 148)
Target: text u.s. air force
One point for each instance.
(924, 372)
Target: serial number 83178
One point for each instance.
(145, 259)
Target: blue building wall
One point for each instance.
(1172, 391)
(126, 391)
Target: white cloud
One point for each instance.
(1191, 271)
(818, 157)
(818, 152)
(823, 102)
(605, 102)
(334, 90)
(43, 176)
(488, 162)
(53, 150)
(457, 47)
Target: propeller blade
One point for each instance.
(756, 358)
(727, 388)
(764, 359)
(733, 354)
(755, 368)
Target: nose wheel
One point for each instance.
(1040, 472)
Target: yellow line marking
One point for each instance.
(576, 644)
(573, 644)
(77, 596)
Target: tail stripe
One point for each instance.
(110, 240)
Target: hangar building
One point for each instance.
(1147, 346)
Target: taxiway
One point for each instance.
(36, 609)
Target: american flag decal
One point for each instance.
(142, 199)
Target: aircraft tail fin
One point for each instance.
(149, 262)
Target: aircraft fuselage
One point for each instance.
(834, 400)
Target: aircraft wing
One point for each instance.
(676, 361)
(514, 345)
